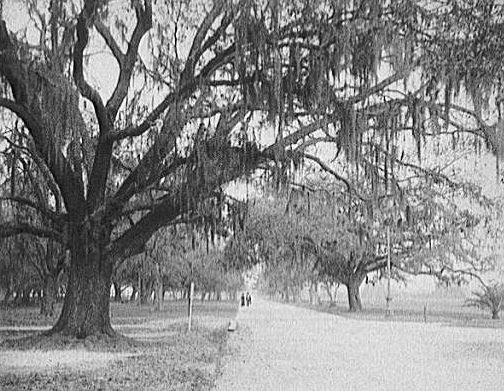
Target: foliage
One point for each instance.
(182, 256)
(490, 297)
(322, 233)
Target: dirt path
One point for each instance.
(280, 347)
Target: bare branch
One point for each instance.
(110, 41)
(127, 61)
(155, 160)
(85, 89)
(21, 112)
(178, 96)
(196, 47)
(294, 137)
(328, 169)
(438, 274)
(380, 86)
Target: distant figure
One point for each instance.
(243, 300)
(249, 299)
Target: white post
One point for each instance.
(191, 295)
(388, 311)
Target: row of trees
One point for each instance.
(205, 92)
(319, 234)
(172, 260)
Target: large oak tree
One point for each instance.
(197, 83)
(190, 76)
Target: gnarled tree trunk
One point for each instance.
(353, 289)
(86, 309)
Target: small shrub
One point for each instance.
(491, 297)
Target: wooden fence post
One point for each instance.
(191, 295)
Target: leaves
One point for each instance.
(490, 297)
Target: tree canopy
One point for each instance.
(202, 93)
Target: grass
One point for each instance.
(163, 357)
(410, 308)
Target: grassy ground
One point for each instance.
(158, 354)
(447, 309)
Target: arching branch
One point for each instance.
(177, 203)
(328, 169)
(196, 48)
(110, 41)
(82, 28)
(127, 61)
(176, 97)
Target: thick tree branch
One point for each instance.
(196, 48)
(381, 85)
(278, 147)
(438, 274)
(85, 89)
(184, 198)
(110, 41)
(378, 263)
(58, 165)
(154, 161)
(328, 169)
(48, 176)
(101, 164)
(106, 116)
(176, 97)
(127, 61)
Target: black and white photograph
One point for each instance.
(252, 195)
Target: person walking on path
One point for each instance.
(242, 300)
(248, 298)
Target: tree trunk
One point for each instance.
(49, 296)
(158, 289)
(314, 293)
(133, 293)
(8, 294)
(331, 294)
(117, 292)
(353, 289)
(23, 297)
(495, 314)
(147, 289)
(86, 309)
